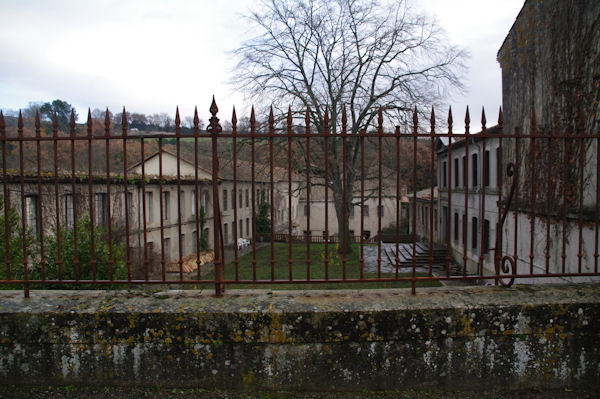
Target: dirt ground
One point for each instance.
(72, 392)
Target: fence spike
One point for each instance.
(124, 122)
(326, 121)
(2, 123)
(432, 120)
(196, 119)
(450, 119)
(213, 107)
(38, 123)
(467, 119)
(89, 122)
(344, 118)
(380, 118)
(500, 119)
(213, 125)
(55, 124)
(483, 120)
(72, 122)
(234, 118)
(107, 123)
(271, 119)
(415, 119)
(20, 124)
(177, 118)
(307, 120)
(252, 120)
(289, 117)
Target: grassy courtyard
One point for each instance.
(301, 270)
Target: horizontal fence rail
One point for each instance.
(294, 203)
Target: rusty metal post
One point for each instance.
(214, 128)
(23, 218)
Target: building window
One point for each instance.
(380, 211)
(127, 206)
(305, 210)
(205, 201)
(257, 196)
(195, 241)
(247, 227)
(182, 204)
(474, 232)
(165, 203)
(498, 167)
(444, 174)
(247, 194)
(456, 173)
(225, 233)
(464, 230)
(486, 235)
(167, 254)
(150, 248)
(100, 209)
(240, 197)
(182, 243)
(486, 169)
(149, 206)
(193, 203)
(465, 176)
(351, 211)
(68, 200)
(475, 172)
(365, 210)
(31, 213)
(232, 199)
(456, 227)
(240, 232)
(306, 233)
(224, 200)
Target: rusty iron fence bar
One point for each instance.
(119, 258)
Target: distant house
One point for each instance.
(163, 204)
(373, 216)
(426, 214)
(468, 194)
(236, 207)
(549, 63)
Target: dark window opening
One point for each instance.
(474, 232)
(475, 172)
(456, 227)
(486, 235)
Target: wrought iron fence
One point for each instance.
(95, 207)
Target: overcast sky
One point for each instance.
(152, 55)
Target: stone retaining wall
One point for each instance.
(460, 338)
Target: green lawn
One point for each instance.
(317, 269)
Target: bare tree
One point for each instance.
(363, 54)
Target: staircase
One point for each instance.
(423, 254)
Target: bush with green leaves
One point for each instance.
(102, 253)
(263, 223)
(12, 232)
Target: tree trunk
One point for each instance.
(339, 204)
